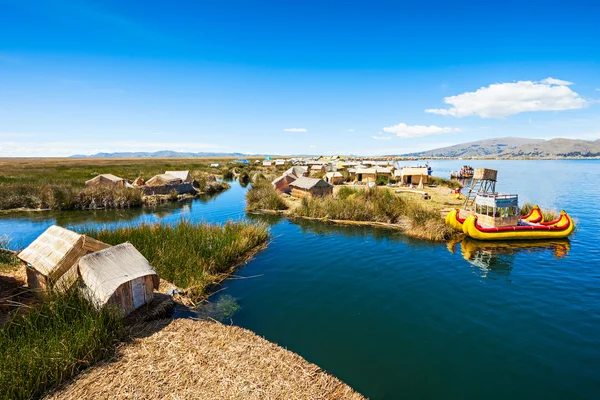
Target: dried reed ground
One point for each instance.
(190, 359)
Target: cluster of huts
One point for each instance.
(295, 181)
(336, 170)
(108, 275)
(178, 181)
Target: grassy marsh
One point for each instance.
(263, 196)
(190, 255)
(52, 342)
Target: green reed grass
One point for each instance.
(549, 214)
(263, 196)
(377, 205)
(452, 184)
(190, 255)
(47, 345)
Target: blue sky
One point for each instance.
(293, 77)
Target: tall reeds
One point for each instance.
(377, 205)
(192, 256)
(47, 345)
(263, 196)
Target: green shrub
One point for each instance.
(452, 184)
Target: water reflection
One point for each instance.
(497, 258)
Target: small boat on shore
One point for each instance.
(466, 172)
(560, 228)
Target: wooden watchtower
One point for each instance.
(484, 181)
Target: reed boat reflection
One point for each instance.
(498, 257)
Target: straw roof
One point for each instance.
(283, 180)
(104, 271)
(334, 175)
(414, 171)
(163, 179)
(57, 249)
(104, 179)
(190, 359)
(296, 171)
(383, 170)
(309, 183)
(367, 171)
(183, 175)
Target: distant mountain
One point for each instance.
(158, 154)
(481, 148)
(557, 148)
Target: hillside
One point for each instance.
(481, 148)
(558, 148)
(512, 147)
(157, 154)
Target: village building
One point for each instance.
(279, 163)
(317, 168)
(215, 165)
(119, 276)
(282, 183)
(384, 171)
(267, 163)
(334, 178)
(310, 187)
(163, 179)
(413, 175)
(297, 171)
(52, 256)
(183, 175)
(366, 175)
(107, 180)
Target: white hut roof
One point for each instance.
(366, 171)
(382, 170)
(414, 171)
(104, 271)
(183, 175)
(104, 177)
(296, 171)
(163, 179)
(57, 249)
(334, 175)
(284, 178)
(309, 183)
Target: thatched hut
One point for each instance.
(183, 175)
(317, 168)
(283, 183)
(297, 171)
(53, 254)
(366, 175)
(118, 276)
(267, 163)
(310, 187)
(334, 178)
(163, 179)
(414, 175)
(106, 180)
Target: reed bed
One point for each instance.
(206, 360)
(263, 196)
(52, 342)
(436, 180)
(378, 205)
(192, 256)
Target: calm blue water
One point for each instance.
(395, 317)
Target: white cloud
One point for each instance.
(503, 99)
(407, 131)
(295, 130)
(552, 81)
(598, 89)
(312, 146)
(352, 130)
(382, 137)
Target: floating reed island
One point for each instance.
(415, 210)
(80, 285)
(205, 360)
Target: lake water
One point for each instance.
(401, 318)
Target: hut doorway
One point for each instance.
(409, 179)
(359, 177)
